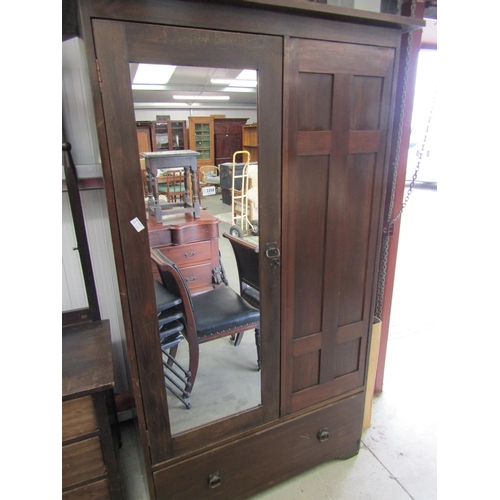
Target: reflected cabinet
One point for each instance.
(201, 139)
(327, 81)
(163, 135)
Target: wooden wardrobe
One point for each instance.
(327, 80)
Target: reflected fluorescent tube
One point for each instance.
(202, 97)
(233, 82)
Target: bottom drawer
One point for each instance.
(257, 462)
(95, 491)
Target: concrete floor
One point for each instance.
(398, 457)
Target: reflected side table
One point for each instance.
(162, 160)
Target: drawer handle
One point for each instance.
(190, 278)
(323, 435)
(190, 254)
(214, 480)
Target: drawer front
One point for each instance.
(82, 461)
(198, 277)
(78, 418)
(190, 234)
(157, 238)
(254, 463)
(95, 491)
(187, 255)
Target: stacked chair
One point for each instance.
(171, 325)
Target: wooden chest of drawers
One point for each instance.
(193, 244)
(89, 467)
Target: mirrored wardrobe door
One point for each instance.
(120, 47)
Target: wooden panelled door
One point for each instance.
(337, 107)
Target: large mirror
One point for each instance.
(212, 112)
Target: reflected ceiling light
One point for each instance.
(148, 87)
(202, 97)
(247, 78)
(163, 105)
(234, 83)
(248, 74)
(239, 89)
(153, 73)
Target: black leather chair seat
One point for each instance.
(220, 310)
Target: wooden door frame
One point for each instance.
(400, 179)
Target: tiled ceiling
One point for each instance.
(194, 81)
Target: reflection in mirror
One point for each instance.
(211, 351)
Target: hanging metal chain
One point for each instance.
(421, 152)
(385, 236)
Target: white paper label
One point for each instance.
(137, 224)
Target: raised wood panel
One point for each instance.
(315, 101)
(342, 58)
(366, 95)
(355, 249)
(308, 183)
(347, 358)
(306, 371)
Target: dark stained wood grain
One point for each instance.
(78, 418)
(95, 491)
(82, 461)
(87, 363)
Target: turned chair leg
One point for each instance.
(237, 338)
(259, 346)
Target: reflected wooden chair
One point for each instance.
(209, 175)
(220, 312)
(247, 263)
(171, 184)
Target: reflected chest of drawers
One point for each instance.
(193, 244)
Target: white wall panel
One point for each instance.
(74, 295)
(80, 131)
(101, 250)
